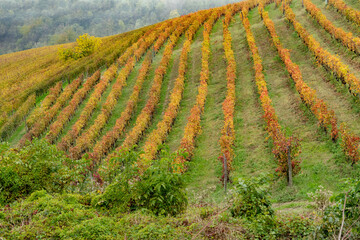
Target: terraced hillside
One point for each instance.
(245, 90)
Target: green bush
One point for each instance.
(161, 190)
(251, 199)
(158, 189)
(333, 215)
(35, 167)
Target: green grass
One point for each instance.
(203, 176)
(192, 77)
(166, 87)
(125, 95)
(144, 94)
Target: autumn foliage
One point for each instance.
(164, 126)
(66, 114)
(144, 119)
(41, 125)
(350, 13)
(53, 94)
(330, 62)
(228, 132)
(346, 38)
(282, 146)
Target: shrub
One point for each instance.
(161, 190)
(333, 214)
(251, 199)
(86, 45)
(37, 166)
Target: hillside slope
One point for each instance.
(239, 96)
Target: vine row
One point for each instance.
(41, 125)
(53, 94)
(346, 38)
(66, 114)
(282, 146)
(159, 135)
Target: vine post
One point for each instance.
(290, 181)
(225, 173)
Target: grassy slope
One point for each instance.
(322, 161)
(192, 77)
(343, 104)
(205, 170)
(329, 168)
(167, 86)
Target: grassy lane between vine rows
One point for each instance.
(192, 77)
(203, 176)
(345, 106)
(325, 39)
(323, 161)
(293, 116)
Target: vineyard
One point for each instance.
(252, 89)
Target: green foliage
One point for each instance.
(35, 167)
(158, 189)
(121, 172)
(86, 45)
(251, 199)
(161, 190)
(43, 216)
(333, 214)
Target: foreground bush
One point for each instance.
(37, 166)
(159, 189)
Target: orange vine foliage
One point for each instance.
(41, 125)
(329, 61)
(281, 144)
(86, 113)
(346, 38)
(87, 138)
(144, 118)
(350, 143)
(164, 126)
(66, 114)
(348, 12)
(228, 132)
(109, 139)
(54, 93)
(326, 117)
(192, 127)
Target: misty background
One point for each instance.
(26, 24)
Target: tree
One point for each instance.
(86, 45)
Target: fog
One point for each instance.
(27, 24)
